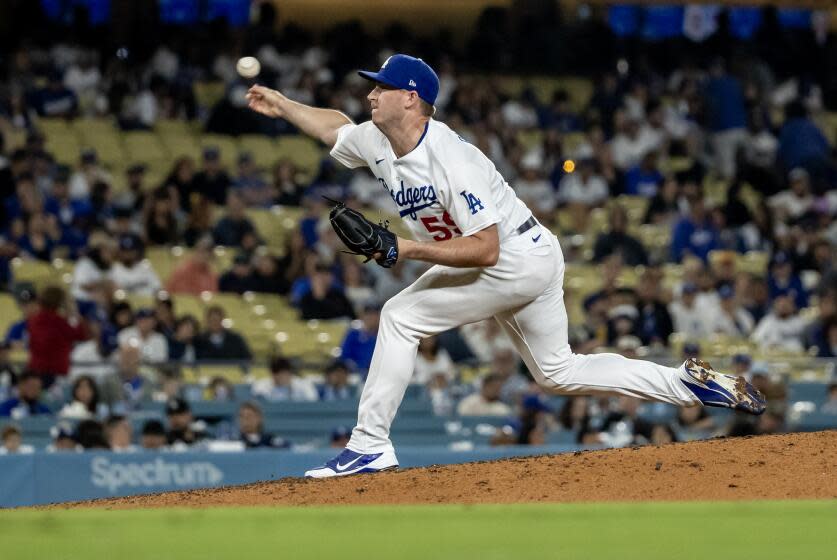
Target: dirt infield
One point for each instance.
(768, 467)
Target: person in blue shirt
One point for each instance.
(783, 281)
(644, 179)
(802, 144)
(359, 343)
(27, 402)
(336, 386)
(726, 113)
(18, 335)
(694, 233)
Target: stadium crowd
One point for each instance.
(745, 122)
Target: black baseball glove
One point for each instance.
(363, 237)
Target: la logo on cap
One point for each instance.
(412, 83)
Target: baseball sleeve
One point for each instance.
(349, 147)
(469, 199)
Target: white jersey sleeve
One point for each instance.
(354, 143)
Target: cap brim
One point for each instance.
(376, 77)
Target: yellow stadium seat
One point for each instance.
(145, 147)
(9, 312)
(305, 153)
(208, 94)
(262, 148)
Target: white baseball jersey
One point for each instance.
(443, 188)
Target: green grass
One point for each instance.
(795, 530)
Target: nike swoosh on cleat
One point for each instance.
(535, 239)
(377, 161)
(340, 468)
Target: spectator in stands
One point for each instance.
(249, 183)
(143, 335)
(183, 429)
(336, 386)
(802, 144)
(287, 188)
(232, 227)
(694, 234)
(92, 284)
(88, 174)
(90, 434)
(218, 342)
(72, 213)
(182, 342)
(533, 189)
(782, 328)
(17, 336)
(285, 384)
(164, 313)
(645, 178)
(212, 181)
(783, 281)
(654, 324)
(535, 420)
(198, 221)
(485, 402)
(55, 100)
(85, 400)
(26, 403)
(181, 177)
(53, 331)
(617, 240)
(195, 275)
(733, 320)
(357, 288)
(220, 389)
(431, 361)
(238, 279)
(161, 226)
(816, 334)
(505, 362)
(118, 433)
(95, 356)
(582, 189)
(8, 372)
(12, 440)
(325, 300)
(726, 112)
(133, 197)
(131, 272)
(251, 429)
(41, 238)
(153, 436)
(63, 437)
(632, 142)
(359, 343)
(267, 277)
(559, 114)
(791, 204)
(690, 319)
(129, 386)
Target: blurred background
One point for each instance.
(169, 279)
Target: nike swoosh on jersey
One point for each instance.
(535, 239)
(340, 468)
(377, 161)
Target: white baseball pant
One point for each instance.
(524, 293)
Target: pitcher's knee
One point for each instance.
(395, 317)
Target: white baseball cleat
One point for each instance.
(352, 462)
(718, 389)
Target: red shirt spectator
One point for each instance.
(195, 275)
(52, 336)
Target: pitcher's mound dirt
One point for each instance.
(766, 467)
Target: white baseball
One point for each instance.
(248, 66)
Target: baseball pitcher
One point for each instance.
(492, 259)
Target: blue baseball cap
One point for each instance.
(403, 71)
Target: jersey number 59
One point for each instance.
(443, 232)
